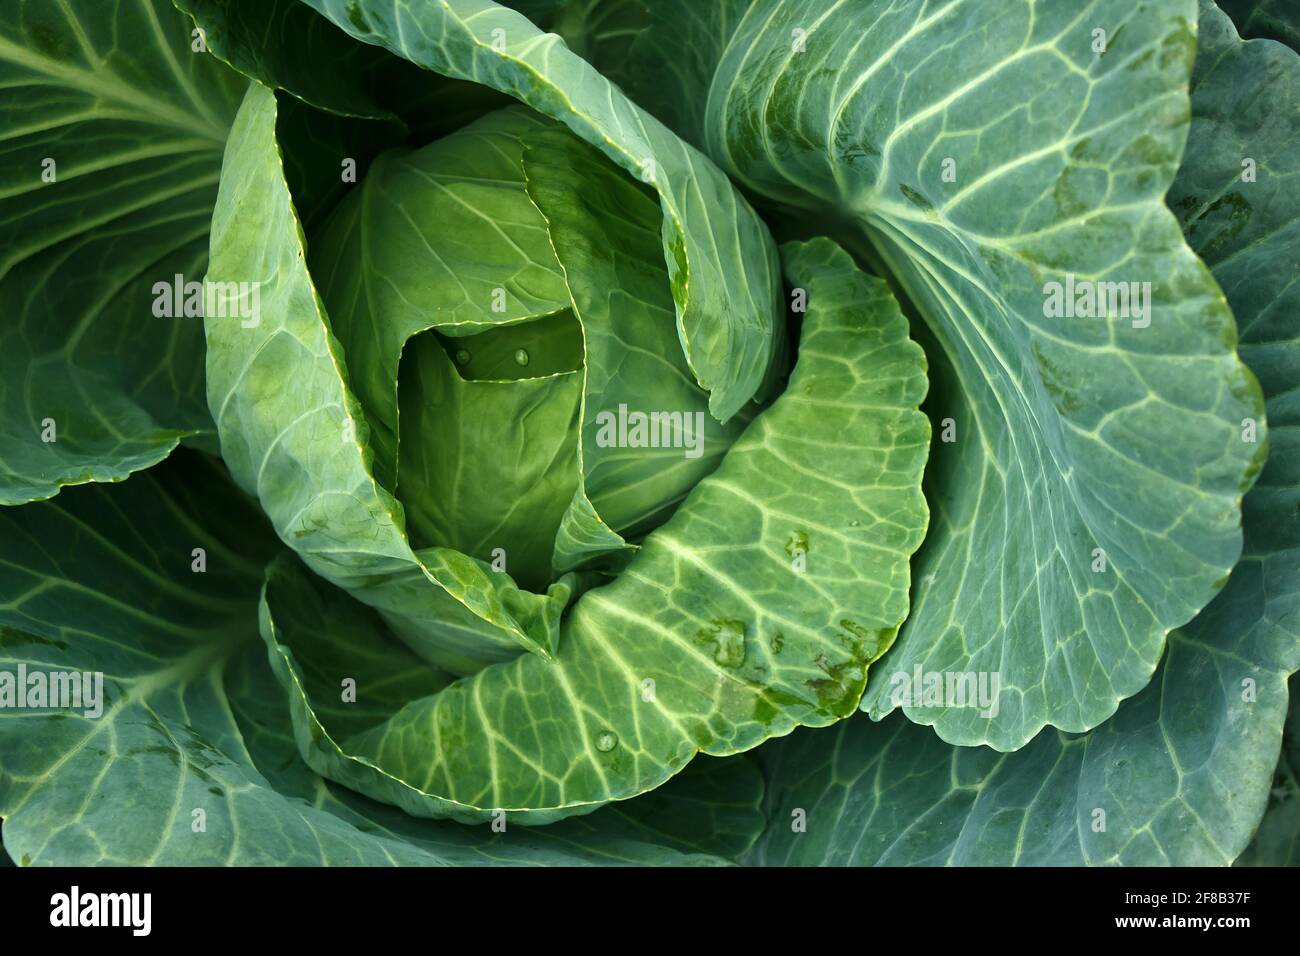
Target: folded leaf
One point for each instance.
(1182, 772)
(336, 74)
(193, 745)
(304, 451)
(605, 232)
(418, 245)
(511, 504)
(757, 607)
(320, 67)
(1088, 475)
(719, 255)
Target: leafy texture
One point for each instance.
(528, 527)
(344, 96)
(540, 336)
(509, 501)
(1277, 841)
(1178, 776)
(632, 358)
(1271, 19)
(1066, 435)
(443, 238)
(755, 608)
(112, 132)
(337, 75)
(719, 254)
(304, 451)
(193, 745)
(1182, 771)
(321, 66)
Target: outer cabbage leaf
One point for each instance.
(348, 100)
(1277, 841)
(757, 607)
(1072, 440)
(1266, 19)
(285, 45)
(1182, 772)
(112, 148)
(323, 66)
(541, 12)
(101, 580)
(1179, 776)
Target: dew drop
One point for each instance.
(521, 356)
(606, 741)
(462, 357)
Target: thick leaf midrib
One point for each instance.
(99, 83)
(136, 690)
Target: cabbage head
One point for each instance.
(649, 431)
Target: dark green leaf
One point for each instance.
(111, 155)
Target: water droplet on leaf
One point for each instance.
(462, 357)
(521, 356)
(606, 741)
